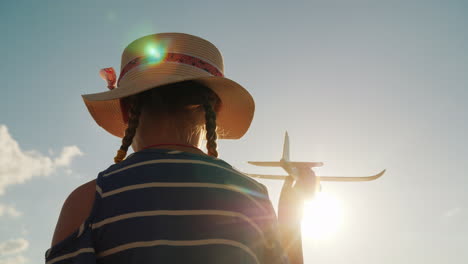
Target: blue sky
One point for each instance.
(359, 85)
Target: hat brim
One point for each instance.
(233, 119)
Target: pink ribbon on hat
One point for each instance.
(108, 74)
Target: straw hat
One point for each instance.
(166, 58)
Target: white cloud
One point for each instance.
(65, 158)
(14, 260)
(13, 246)
(9, 211)
(17, 166)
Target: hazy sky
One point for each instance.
(359, 85)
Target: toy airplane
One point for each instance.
(303, 169)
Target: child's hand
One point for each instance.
(290, 209)
(293, 195)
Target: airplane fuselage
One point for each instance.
(305, 175)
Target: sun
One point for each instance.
(322, 217)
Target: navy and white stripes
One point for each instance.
(174, 207)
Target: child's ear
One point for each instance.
(124, 108)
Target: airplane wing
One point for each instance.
(352, 179)
(269, 177)
(300, 164)
(324, 178)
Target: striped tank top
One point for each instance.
(166, 206)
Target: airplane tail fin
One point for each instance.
(276, 163)
(286, 147)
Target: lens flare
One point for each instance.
(322, 217)
(155, 52)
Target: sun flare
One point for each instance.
(322, 217)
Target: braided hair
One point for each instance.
(180, 100)
(210, 125)
(134, 112)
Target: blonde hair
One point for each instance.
(180, 100)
